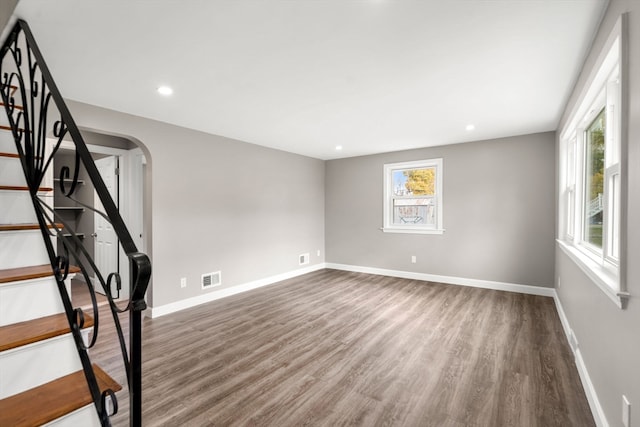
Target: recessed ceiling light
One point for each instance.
(470, 127)
(338, 147)
(165, 90)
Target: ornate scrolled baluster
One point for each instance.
(28, 93)
(118, 280)
(18, 53)
(79, 316)
(59, 128)
(34, 82)
(64, 176)
(108, 393)
(61, 268)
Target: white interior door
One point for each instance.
(105, 239)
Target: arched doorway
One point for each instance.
(131, 184)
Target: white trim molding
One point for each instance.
(604, 279)
(589, 389)
(391, 196)
(452, 280)
(173, 307)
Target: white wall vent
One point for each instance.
(210, 280)
(303, 259)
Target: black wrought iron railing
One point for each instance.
(40, 123)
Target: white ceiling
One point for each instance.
(304, 76)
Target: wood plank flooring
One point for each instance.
(336, 348)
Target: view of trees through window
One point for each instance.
(420, 181)
(594, 180)
(414, 190)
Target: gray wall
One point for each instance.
(6, 10)
(103, 140)
(220, 204)
(609, 338)
(498, 212)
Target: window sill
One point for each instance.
(603, 278)
(412, 230)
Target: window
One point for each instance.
(591, 176)
(593, 182)
(413, 197)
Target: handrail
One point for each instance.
(27, 90)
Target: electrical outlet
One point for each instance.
(183, 282)
(558, 285)
(626, 411)
(413, 259)
(318, 252)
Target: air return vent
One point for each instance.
(303, 259)
(210, 280)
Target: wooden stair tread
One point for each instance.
(4, 127)
(19, 227)
(52, 400)
(40, 329)
(22, 188)
(31, 272)
(17, 107)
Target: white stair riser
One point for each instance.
(35, 364)
(7, 144)
(17, 208)
(85, 417)
(30, 299)
(23, 249)
(11, 172)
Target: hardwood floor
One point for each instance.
(81, 298)
(336, 348)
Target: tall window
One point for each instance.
(413, 197)
(591, 179)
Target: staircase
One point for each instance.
(46, 375)
(41, 377)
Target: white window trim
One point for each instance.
(604, 271)
(388, 226)
(605, 278)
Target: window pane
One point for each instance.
(416, 182)
(413, 200)
(571, 163)
(414, 211)
(594, 180)
(571, 203)
(614, 217)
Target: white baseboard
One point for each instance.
(476, 283)
(173, 307)
(162, 310)
(589, 389)
(565, 324)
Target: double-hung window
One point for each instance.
(591, 176)
(413, 197)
